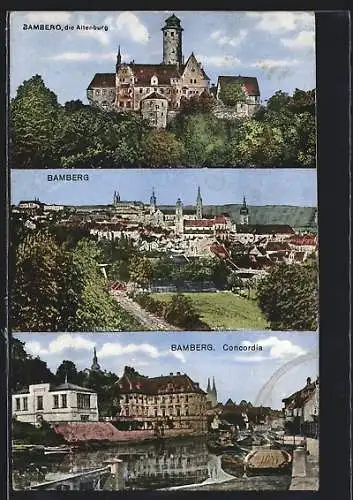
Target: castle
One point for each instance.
(158, 90)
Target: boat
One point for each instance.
(57, 450)
(24, 449)
(267, 461)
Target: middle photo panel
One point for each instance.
(170, 250)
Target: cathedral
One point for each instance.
(157, 90)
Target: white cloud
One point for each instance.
(277, 348)
(303, 40)
(222, 39)
(48, 17)
(35, 349)
(267, 64)
(85, 56)
(130, 26)
(68, 341)
(274, 22)
(115, 349)
(219, 61)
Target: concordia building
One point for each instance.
(172, 401)
(157, 90)
(301, 410)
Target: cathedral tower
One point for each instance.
(118, 60)
(179, 219)
(198, 204)
(211, 393)
(244, 213)
(95, 366)
(172, 41)
(153, 202)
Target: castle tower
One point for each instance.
(118, 60)
(172, 41)
(244, 213)
(198, 204)
(95, 366)
(153, 202)
(179, 219)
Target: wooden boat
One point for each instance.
(25, 449)
(57, 450)
(267, 461)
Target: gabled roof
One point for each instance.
(164, 72)
(192, 56)
(249, 82)
(102, 80)
(154, 95)
(136, 383)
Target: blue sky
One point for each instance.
(238, 375)
(218, 186)
(276, 47)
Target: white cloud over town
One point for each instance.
(303, 40)
(221, 38)
(274, 348)
(49, 17)
(84, 56)
(275, 22)
(225, 61)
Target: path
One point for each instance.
(144, 317)
(311, 481)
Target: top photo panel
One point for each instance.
(156, 89)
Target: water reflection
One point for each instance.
(144, 466)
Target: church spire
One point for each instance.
(244, 212)
(118, 60)
(198, 204)
(213, 385)
(208, 385)
(95, 365)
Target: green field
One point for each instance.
(224, 310)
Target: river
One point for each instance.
(146, 466)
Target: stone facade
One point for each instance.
(64, 403)
(172, 401)
(133, 84)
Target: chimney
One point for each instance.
(171, 373)
(178, 373)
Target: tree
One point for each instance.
(37, 284)
(67, 370)
(204, 103)
(161, 148)
(141, 271)
(232, 93)
(33, 125)
(288, 297)
(181, 312)
(25, 369)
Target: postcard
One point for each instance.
(117, 412)
(145, 249)
(153, 89)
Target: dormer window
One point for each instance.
(154, 80)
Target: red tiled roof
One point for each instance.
(307, 239)
(220, 219)
(199, 223)
(219, 250)
(274, 246)
(249, 82)
(135, 383)
(105, 80)
(164, 72)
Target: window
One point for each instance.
(25, 404)
(97, 92)
(84, 418)
(128, 104)
(39, 402)
(121, 104)
(172, 33)
(83, 401)
(194, 80)
(18, 404)
(141, 90)
(63, 401)
(190, 80)
(56, 401)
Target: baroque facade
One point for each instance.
(157, 90)
(172, 401)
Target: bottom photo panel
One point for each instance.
(165, 411)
